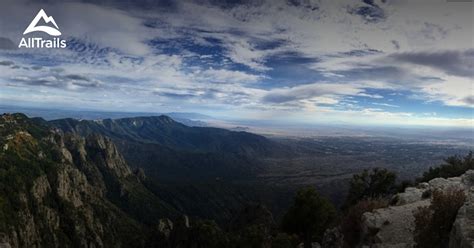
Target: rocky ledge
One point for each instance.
(394, 226)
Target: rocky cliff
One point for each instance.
(394, 226)
(64, 190)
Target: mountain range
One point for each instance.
(89, 183)
(63, 190)
(169, 150)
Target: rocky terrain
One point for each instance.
(393, 227)
(63, 190)
(68, 189)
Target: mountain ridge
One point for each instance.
(165, 131)
(59, 190)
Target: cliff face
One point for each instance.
(62, 190)
(187, 153)
(394, 226)
(462, 234)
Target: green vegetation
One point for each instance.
(283, 240)
(309, 216)
(368, 191)
(39, 183)
(371, 184)
(205, 233)
(434, 223)
(22, 160)
(252, 227)
(454, 166)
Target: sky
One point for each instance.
(369, 62)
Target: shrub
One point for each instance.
(352, 219)
(309, 216)
(394, 200)
(426, 194)
(454, 166)
(403, 185)
(370, 184)
(252, 227)
(433, 224)
(206, 234)
(283, 240)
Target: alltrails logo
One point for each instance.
(38, 42)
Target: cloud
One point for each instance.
(310, 91)
(50, 81)
(226, 76)
(455, 63)
(104, 26)
(369, 11)
(70, 82)
(179, 95)
(469, 100)
(433, 31)
(389, 73)
(396, 44)
(6, 63)
(251, 55)
(77, 77)
(374, 96)
(385, 105)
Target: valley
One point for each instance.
(141, 170)
(227, 169)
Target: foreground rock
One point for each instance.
(462, 234)
(394, 226)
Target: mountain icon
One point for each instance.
(47, 29)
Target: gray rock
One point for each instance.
(468, 178)
(410, 195)
(165, 226)
(186, 221)
(394, 226)
(462, 233)
(444, 184)
(391, 226)
(423, 186)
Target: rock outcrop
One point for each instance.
(64, 190)
(462, 234)
(394, 226)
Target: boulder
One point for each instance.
(394, 226)
(410, 195)
(444, 184)
(462, 233)
(165, 226)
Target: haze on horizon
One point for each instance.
(384, 62)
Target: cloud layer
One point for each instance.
(254, 59)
